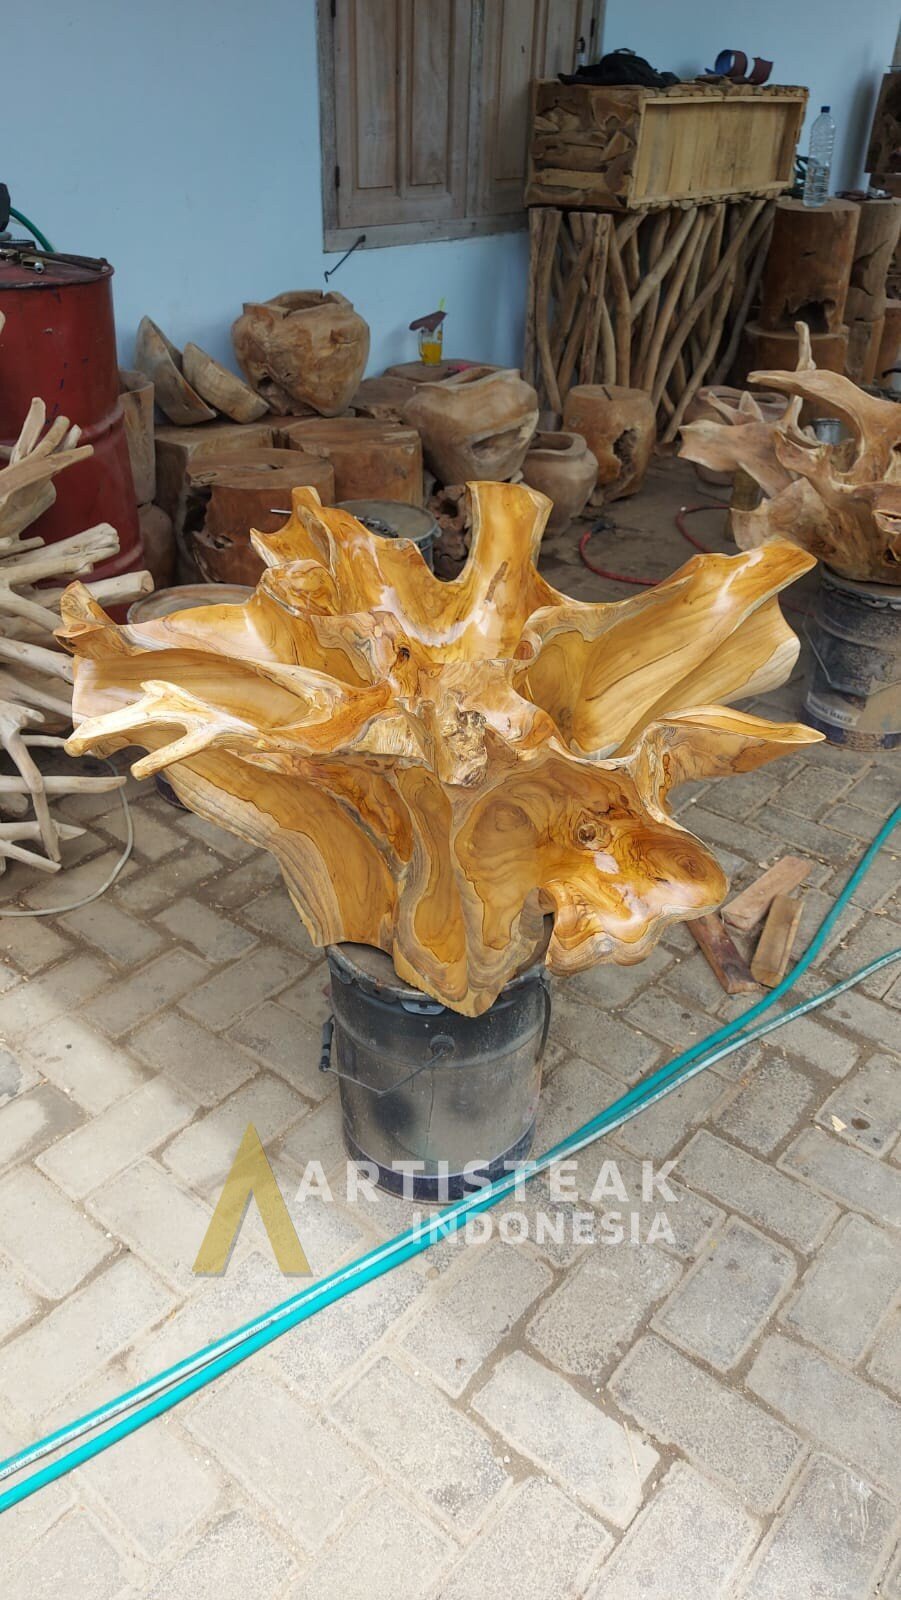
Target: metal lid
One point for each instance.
(393, 519)
(24, 267)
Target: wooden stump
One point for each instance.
(382, 399)
(877, 239)
(158, 540)
(771, 350)
(808, 265)
(242, 498)
(136, 394)
(617, 424)
(372, 460)
(890, 345)
(864, 339)
(179, 450)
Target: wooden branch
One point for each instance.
(546, 249)
(622, 326)
(760, 243)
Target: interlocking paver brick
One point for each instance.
(714, 1425)
(545, 1418)
(885, 1362)
(156, 1217)
(84, 1063)
(842, 1413)
(154, 1485)
(49, 1238)
(273, 915)
(765, 1108)
(860, 1015)
(221, 1000)
(607, 1042)
(660, 1130)
(213, 936)
(820, 1047)
(144, 892)
(125, 1130)
(389, 1549)
(876, 791)
(850, 1176)
(452, 1463)
(203, 1154)
(539, 1546)
(667, 1016)
(46, 1362)
(318, 1137)
(309, 996)
(238, 1555)
(723, 1302)
(462, 1324)
(618, 1183)
(33, 1121)
(294, 1464)
(235, 888)
(610, 986)
(225, 844)
(17, 1075)
(848, 1289)
(574, 1092)
(34, 944)
(743, 1183)
(124, 1005)
(154, 836)
(867, 1105)
(196, 1060)
(17, 1302)
(39, 1000)
(124, 939)
(342, 1335)
(81, 880)
(24, 1524)
(286, 1044)
(215, 1308)
(690, 1540)
(832, 1540)
(873, 937)
(74, 1558)
(599, 1305)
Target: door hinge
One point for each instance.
(334, 9)
(337, 176)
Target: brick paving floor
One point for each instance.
(712, 1412)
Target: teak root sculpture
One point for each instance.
(302, 351)
(477, 423)
(836, 501)
(438, 766)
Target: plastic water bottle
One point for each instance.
(819, 159)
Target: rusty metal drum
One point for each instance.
(59, 343)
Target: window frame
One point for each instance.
(336, 237)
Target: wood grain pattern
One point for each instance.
(437, 766)
(748, 909)
(840, 502)
(774, 948)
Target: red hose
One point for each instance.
(614, 577)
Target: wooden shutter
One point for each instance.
(402, 71)
(521, 40)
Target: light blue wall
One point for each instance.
(839, 49)
(180, 138)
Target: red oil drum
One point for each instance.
(59, 343)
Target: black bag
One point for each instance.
(621, 67)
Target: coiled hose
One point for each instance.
(130, 1411)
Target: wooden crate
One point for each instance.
(636, 149)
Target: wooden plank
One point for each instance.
(721, 954)
(774, 949)
(748, 909)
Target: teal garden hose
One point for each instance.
(36, 233)
(130, 1411)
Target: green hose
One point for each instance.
(36, 233)
(164, 1391)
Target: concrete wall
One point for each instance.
(180, 138)
(838, 50)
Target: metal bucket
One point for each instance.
(420, 1084)
(395, 520)
(855, 689)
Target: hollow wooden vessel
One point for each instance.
(303, 348)
(618, 427)
(439, 766)
(160, 361)
(808, 265)
(561, 466)
(474, 424)
(221, 388)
